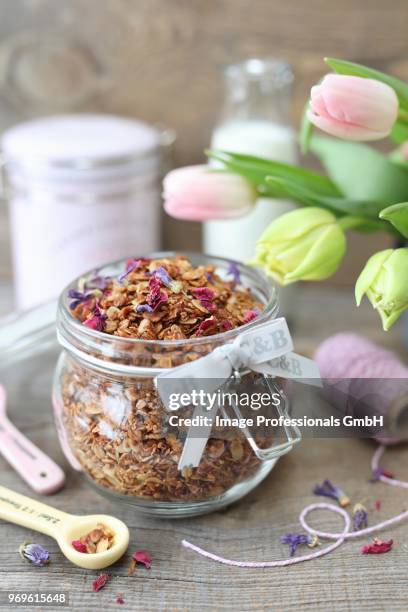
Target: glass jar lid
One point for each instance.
(80, 147)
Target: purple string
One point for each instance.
(338, 537)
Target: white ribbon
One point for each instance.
(265, 348)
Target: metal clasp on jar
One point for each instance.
(291, 431)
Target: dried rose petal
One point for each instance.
(250, 315)
(96, 320)
(205, 297)
(142, 556)
(377, 504)
(79, 546)
(120, 600)
(206, 325)
(100, 582)
(227, 325)
(378, 547)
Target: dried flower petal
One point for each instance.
(120, 600)
(96, 320)
(205, 297)
(132, 567)
(100, 582)
(298, 539)
(360, 517)
(144, 308)
(162, 274)
(34, 553)
(378, 547)
(79, 546)
(378, 472)
(78, 297)
(206, 326)
(250, 315)
(233, 270)
(227, 325)
(328, 489)
(131, 265)
(155, 297)
(377, 504)
(142, 556)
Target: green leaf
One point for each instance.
(344, 67)
(306, 131)
(398, 216)
(361, 172)
(256, 169)
(399, 132)
(337, 205)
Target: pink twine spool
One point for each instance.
(348, 360)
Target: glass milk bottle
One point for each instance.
(254, 121)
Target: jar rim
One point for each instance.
(65, 318)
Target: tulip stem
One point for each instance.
(349, 222)
(403, 115)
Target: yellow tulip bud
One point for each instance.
(304, 244)
(384, 280)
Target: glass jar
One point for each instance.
(82, 190)
(114, 429)
(254, 121)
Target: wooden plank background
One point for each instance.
(160, 60)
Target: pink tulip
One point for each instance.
(198, 193)
(353, 108)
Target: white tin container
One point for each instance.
(83, 190)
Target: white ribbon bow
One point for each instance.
(266, 348)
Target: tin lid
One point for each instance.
(80, 141)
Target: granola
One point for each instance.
(116, 426)
(97, 540)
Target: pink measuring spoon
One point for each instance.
(39, 471)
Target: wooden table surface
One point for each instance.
(180, 579)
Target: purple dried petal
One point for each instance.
(131, 265)
(360, 517)
(162, 274)
(78, 297)
(378, 472)
(98, 282)
(233, 270)
(144, 308)
(328, 489)
(36, 554)
(294, 540)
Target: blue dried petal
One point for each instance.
(294, 540)
(328, 489)
(36, 554)
(144, 308)
(233, 270)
